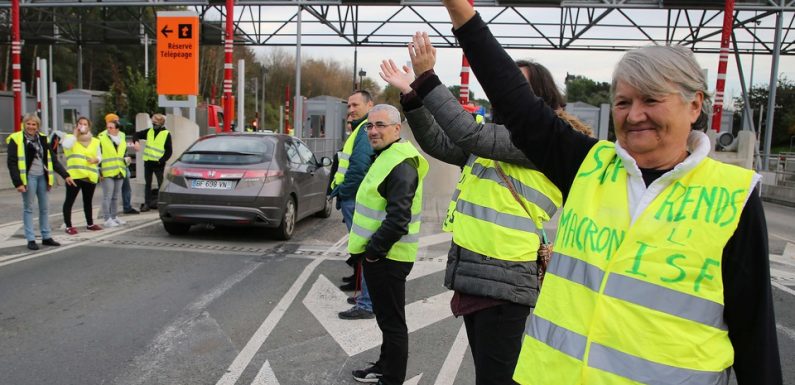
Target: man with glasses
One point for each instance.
(385, 237)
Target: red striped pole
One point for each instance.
(38, 86)
(463, 96)
(228, 44)
(728, 19)
(16, 64)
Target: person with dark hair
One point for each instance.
(353, 162)
(661, 271)
(495, 279)
(31, 166)
(83, 155)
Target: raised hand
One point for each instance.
(422, 52)
(400, 79)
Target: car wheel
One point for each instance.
(326, 212)
(286, 228)
(175, 228)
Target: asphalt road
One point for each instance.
(133, 305)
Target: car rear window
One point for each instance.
(230, 150)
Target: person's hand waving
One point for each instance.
(422, 53)
(400, 79)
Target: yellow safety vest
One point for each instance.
(635, 303)
(344, 156)
(112, 158)
(77, 160)
(371, 206)
(155, 146)
(19, 139)
(485, 205)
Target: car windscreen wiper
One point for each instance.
(205, 152)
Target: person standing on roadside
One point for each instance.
(156, 153)
(31, 164)
(385, 237)
(113, 170)
(353, 162)
(126, 189)
(83, 154)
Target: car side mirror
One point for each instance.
(325, 161)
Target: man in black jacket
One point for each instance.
(156, 154)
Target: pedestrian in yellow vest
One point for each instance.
(31, 165)
(494, 278)
(83, 154)
(113, 170)
(660, 273)
(156, 153)
(385, 237)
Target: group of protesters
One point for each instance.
(659, 273)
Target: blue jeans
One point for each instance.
(363, 300)
(126, 192)
(37, 186)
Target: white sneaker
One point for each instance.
(119, 221)
(111, 223)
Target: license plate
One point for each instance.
(213, 184)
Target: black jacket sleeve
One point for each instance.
(168, 150)
(13, 164)
(56, 164)
(548, 141)
(748, 299)
(398, 189)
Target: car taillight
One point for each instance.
(260, 176)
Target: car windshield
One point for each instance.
(230, 150)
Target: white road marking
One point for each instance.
(783, 288)
(435, 239)
(414, 380)
(782, 260)
(92, 237)
(782, 237)
(235, 370)
(789, 251)
(787, 331)
(324, 300)
(454, 358)
(265, 376)
(423, 268)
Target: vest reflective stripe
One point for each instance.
(485, 205)
(22, 163)
(344, 156)
(496, 217)
(112, 156)
(77, 161)
(370, 210)
(155, 146)
(639, 292)
(636, 302)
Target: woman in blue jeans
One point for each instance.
(31, 163)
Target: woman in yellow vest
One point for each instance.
(660, 273)
(31, 165)
(83, 154)
(112, 170)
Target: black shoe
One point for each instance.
(50, 242)
(32, 245)
(349, 278)
(372, 374)
(351, 300)
(131, 211)
(144, 208)
(356, 313)
(350, 286)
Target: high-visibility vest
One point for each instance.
(344, 156)
(112, 158)
(370, 208)
(155, 146)
(77, 160)
(485, 205)
(19, 139)
(636, 303)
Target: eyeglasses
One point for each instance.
(378, 125)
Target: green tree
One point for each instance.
(783, 117)
(582, 89)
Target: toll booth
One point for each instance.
(75, 103)
(324, 125)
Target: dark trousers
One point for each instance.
(126, 192)
(495, 338)
(71, 195)
(388, 293)
(149, 169)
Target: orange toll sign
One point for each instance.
(177, 53)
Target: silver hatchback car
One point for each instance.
(245, 179)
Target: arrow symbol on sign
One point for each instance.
(324, 300)
(165, 31)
